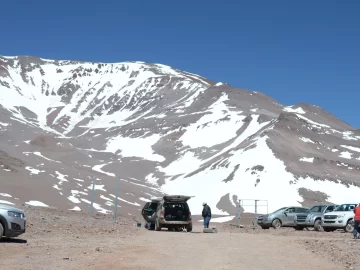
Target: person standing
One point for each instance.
(356, 220)
(206, 214)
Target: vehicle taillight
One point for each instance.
(189, 215)
(162, 212)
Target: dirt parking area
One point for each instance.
(66, 240)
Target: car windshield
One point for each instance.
(279, 210)
(345, 207)
(317, 208)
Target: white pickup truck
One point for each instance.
(341, 218)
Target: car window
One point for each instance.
(146, 206)
(345, 207)
(174, 206)
(330, 208)
(290, 210)
(150, 207)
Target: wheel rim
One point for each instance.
(277, 224)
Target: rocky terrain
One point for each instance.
(65, 124)
(57, 239)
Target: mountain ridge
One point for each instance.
(158, 128)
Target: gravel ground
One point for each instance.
(64, 240)
(72, 240)
(338, 247)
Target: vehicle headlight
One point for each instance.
(341, 216)
(309, 217)
(14, 214)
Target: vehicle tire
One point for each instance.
(157, 226)
(152, 227)
(1, 230)
(317, 225)
(189, 228)
(276, 224)
(349, 226)
(298, 228)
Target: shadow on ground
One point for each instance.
(13, 241)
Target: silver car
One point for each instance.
(283, 217)
(12, 221)
(313, 217)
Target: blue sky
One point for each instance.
(294, 51)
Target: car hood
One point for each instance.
(10, 208)
(303, 213)
(309, 213)
(335, 213)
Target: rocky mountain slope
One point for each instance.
(161, 130)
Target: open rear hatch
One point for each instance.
(176, 198)
(176, 208)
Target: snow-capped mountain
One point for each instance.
(161, 130)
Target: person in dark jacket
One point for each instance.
(206, 214)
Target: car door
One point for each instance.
(289, 216)
(149, 210)
(145, 212)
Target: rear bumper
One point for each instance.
(184, 223)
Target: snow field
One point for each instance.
(243, 184)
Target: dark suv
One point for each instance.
(171, 212)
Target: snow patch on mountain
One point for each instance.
(346, 155)
(356, 149)
(37, 203)
(297, 110)
(305, 159)
(306, 140)
(243, 185)
(218, 121)
(135, 147)
(98, 168)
